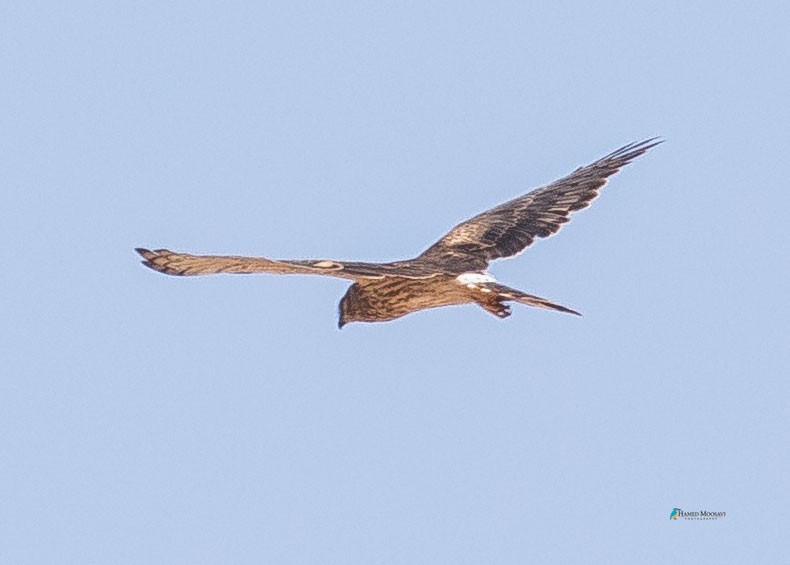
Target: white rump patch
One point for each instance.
(473, 279)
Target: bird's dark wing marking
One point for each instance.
(510, 227)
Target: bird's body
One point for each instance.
(451, 271)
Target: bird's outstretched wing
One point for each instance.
(184, 264)
(507, 229)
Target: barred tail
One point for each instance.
(507, 293)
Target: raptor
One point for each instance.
(452, 270)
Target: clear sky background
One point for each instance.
(151, 419)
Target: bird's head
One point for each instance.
(355, 306)
(349, 309)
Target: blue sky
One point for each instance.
(149, 419)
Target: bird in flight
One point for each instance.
(452, 270)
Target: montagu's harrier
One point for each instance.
(452, 270)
